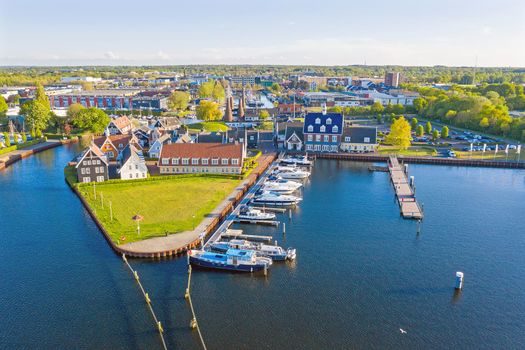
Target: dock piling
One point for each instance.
(284, 228)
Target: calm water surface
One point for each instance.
(362, 272)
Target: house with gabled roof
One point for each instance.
(131, 164)
(359, 139)
(112, 145)
(210, 137)
(322, 131)
(120, 125)
(167, 123)
(156, 147)
(294, 138)
(143, 136)
(92, 165)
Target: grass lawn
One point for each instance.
(166, 203)
(209, 126)
(489, 155)
(411, 151)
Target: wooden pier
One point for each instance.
(405, 195)
(238, 234)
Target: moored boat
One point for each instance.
(297, 160)
(272, 198)
(293, 174)
(273, 252)
(281, 186)
(249, 213)
(231, 260)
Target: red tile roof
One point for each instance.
(121, 122)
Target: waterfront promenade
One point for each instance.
(180, 242)
(19, 154)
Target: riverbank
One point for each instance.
(177, 243)
(16, 155)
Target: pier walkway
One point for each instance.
(406, 198)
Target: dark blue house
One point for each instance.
(322, 131)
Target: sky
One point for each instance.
(307, 32)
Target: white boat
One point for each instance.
(272, 198)
(249, 213)
(281, 186)
(297, 160)
(274, 252)
(294, 174)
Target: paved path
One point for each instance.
(183, 239)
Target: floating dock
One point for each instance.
(257, 222)
(408, 205)
(238, 234)
(264, 208)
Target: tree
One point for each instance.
(428, 128)
(206, 89)
(420, 104)
(7, 139)
(444, 132)
(379, 118)
(435, 135)
(92, 119)
(24, 137)
(218, 92)
(377, 108)
(37, 115)
(413, 123)
(484, 123)
(3, 106)
(40, 96)
(420, 131)
(208, 111)
(399, 133)
(73, 110)
(264, 114)
(276, 88)
(178, 100)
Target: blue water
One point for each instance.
(362, 272)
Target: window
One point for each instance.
(88, 162)
(165, 161)
(88, 171)
(317, 120)
(204, 161)
(96, 170)
(131, 175)
(334, 138)
(194, 161)
(111, 154)
(326, 138)
(367, 139)
(317, 138)
(309, 147)
(335, 128)
(215, 161)
(100, 178)
(136, 167)
(82, 171)
(347, 138)
(175, 161)
(185, 161)
(310, 137)
(129, 167)
(310, 128)
(235, 161)
(224, 161)
(328, 121)
(86, 179)
(323, 128)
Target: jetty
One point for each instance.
(409, 207)
(238, 234)
(257, 222)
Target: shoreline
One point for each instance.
(179, 243)
(16, 155)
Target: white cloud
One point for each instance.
(486, 30)
(111, 56)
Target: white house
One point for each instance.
(131, 164)
(359, 139)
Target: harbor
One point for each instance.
(351, 260)
(231, 249)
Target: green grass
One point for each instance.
(412, 151)
(167, 203)
(489, 155)
(20, 146)
(209, 126)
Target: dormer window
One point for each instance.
(328, 121)
(310, 128)
(335, 128)
(323, 128)
(317, 120)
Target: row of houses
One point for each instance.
(325, 132)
